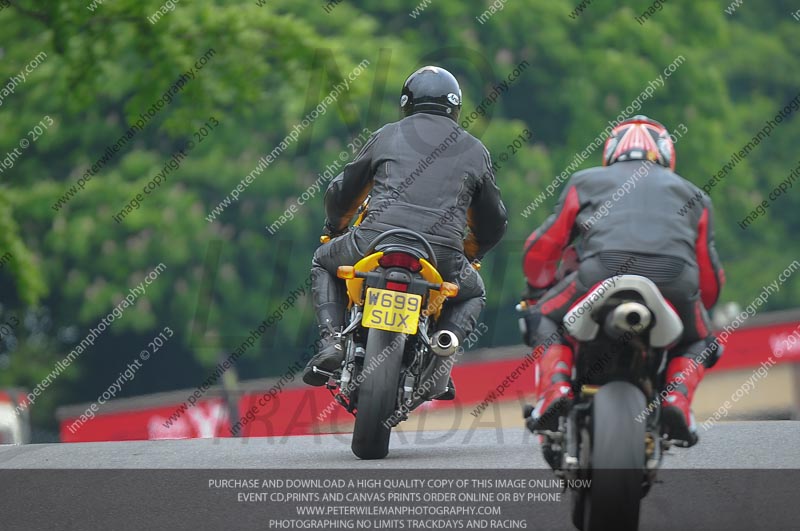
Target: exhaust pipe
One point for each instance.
(444, 343)
(626, 318)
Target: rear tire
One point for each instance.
(618, 459)
(377, 394)
(578, 508)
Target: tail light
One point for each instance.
(404, 260)
(396, 286)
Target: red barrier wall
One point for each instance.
(300, 410)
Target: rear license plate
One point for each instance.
(393, 311)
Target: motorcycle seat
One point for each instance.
(584, 325)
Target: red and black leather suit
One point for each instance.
(642, 229)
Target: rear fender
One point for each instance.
(355, 286)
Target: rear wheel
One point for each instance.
(578, 508)
(377, 394)
(617, 459)
(579, 495)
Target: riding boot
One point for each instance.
(683, 377)
(329, 304)
(553, 389)
(329, 358)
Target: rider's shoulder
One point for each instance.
(474, 144)
(588, 173)
(687, 183)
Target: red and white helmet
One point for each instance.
(639, 138)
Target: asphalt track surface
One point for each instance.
(727, 445)
(742, 475)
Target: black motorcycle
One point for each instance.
(611, 437)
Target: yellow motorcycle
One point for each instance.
(395, 360)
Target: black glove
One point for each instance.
(529, 325)
(532, 295)
(531, 314)
(330, 230)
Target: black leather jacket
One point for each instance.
(630, 207)
(424, 173)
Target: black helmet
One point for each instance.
(431, 90)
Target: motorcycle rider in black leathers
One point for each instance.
(423, 173)
(638, 229)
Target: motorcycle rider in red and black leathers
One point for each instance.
(423, 173)
(635, 229)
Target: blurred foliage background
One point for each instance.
(106, 64)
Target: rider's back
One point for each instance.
(427, 169)
(636, 207)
